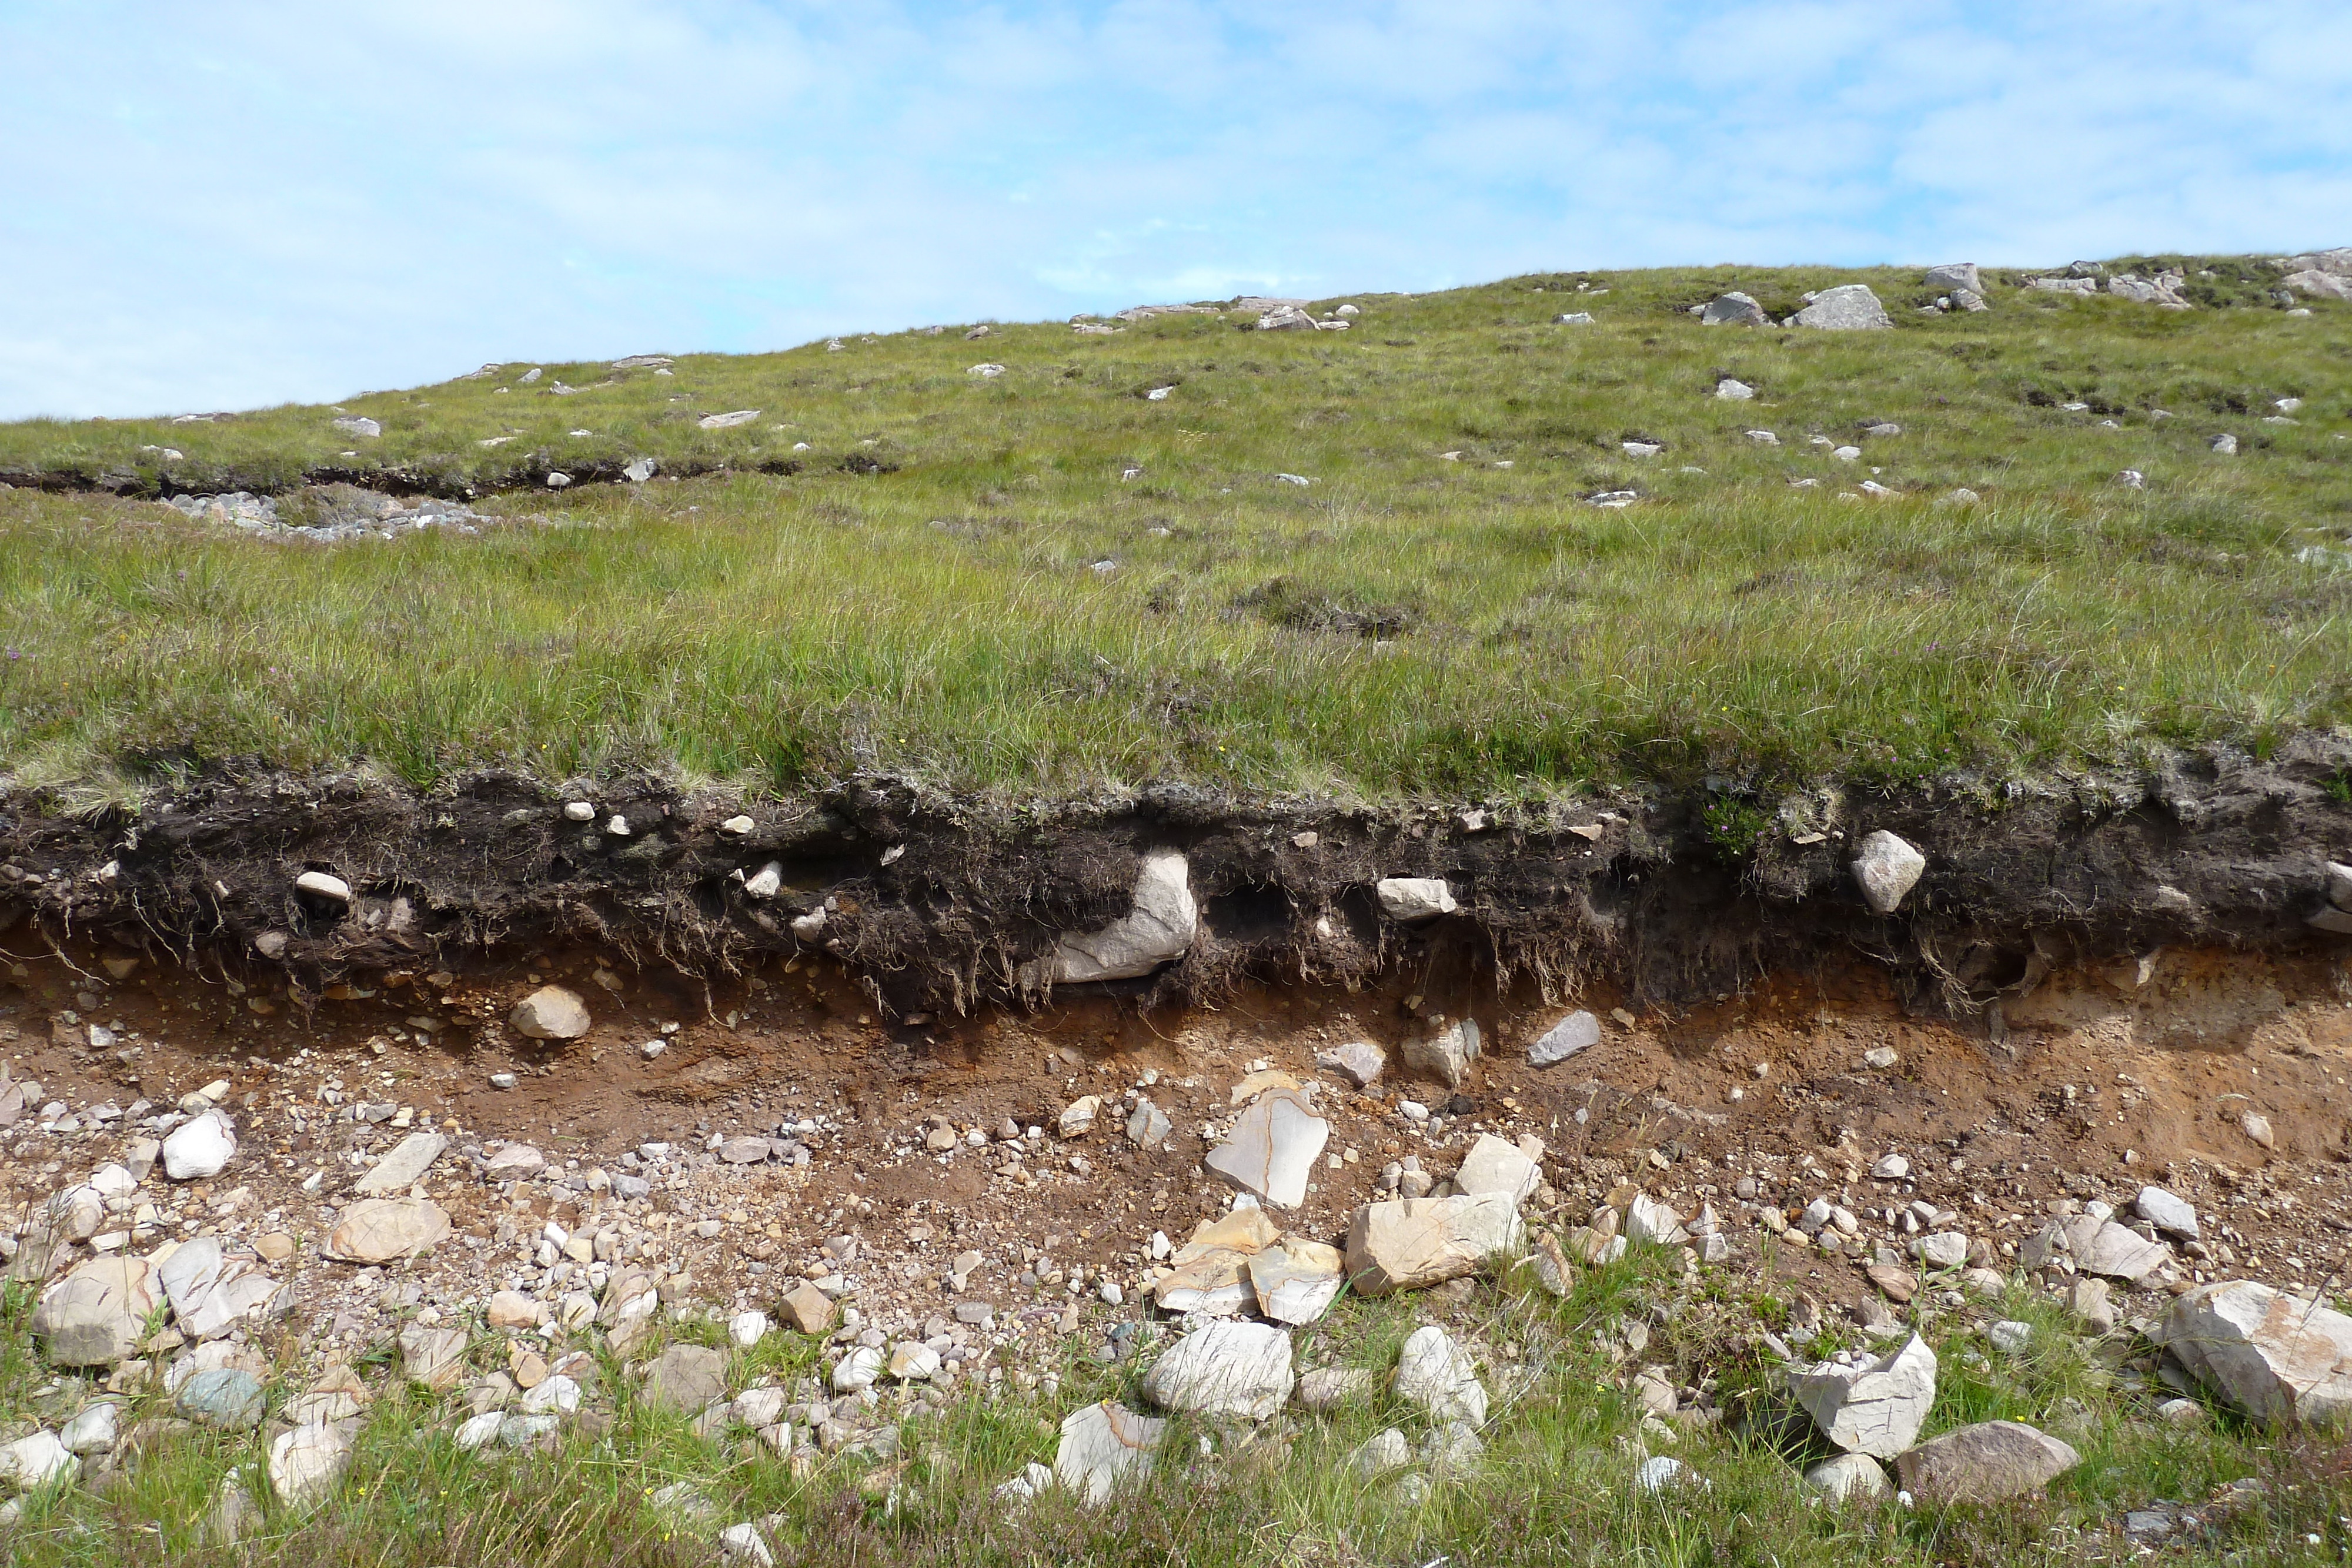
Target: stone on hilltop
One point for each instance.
(551, 1012)
(1733, 309)
(1157, 931)
(2279, 1359)
(1954, 275)
(1228, 1368)
(1989, 1462)
(1273, 1148)
(1867, 1405)
(1850, 307)
(1411, 1242)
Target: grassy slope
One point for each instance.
(1555, 1485)
(947, 618)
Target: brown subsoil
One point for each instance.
(2104, 1077)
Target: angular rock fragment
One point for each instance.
(379, 1229)
(1572, 1034)
(1885, 870)
(1446, 1054)
(1297, 1282)
(404, 1167)
(2278, 1359)
(1493, 1165)
(1438, 1375)
(1157, 931)
(1273, 1148)
(1416, 1241)
(1867, 1405)
(1415, 898)
(1847, 307)
(551, 1012)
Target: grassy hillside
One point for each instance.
(1048, 579)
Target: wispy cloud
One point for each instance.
(243, 201)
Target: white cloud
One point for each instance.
(222, 207)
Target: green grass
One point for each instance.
(1404, 625)
(1555, 1484)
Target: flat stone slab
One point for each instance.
(1297, 1281)
(1273, 1148)
(404, 1167)
(1577, 1031)
(96, 1314)
(379, 1229)
(1497, 1165)
(1102, 1447)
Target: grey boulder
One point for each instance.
(1734, 309)
(1850, 307)
(1954, 275)
(2278, 1359)
(1989, 1462)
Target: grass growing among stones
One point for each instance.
(1047, 580)
(1555, 1483)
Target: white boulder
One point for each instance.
(1867, 1405)
(1415, 898)
(1885, 870)
(1156, 932)
(1850, 307)
(201, 1147)
(1228, 1368)
(1437, 1374)
(1101, 1447)
(1415, 1241)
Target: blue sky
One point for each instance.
(236, 204)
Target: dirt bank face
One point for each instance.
(895, 1135)
(939, 906)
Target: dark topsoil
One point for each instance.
(935, 903)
